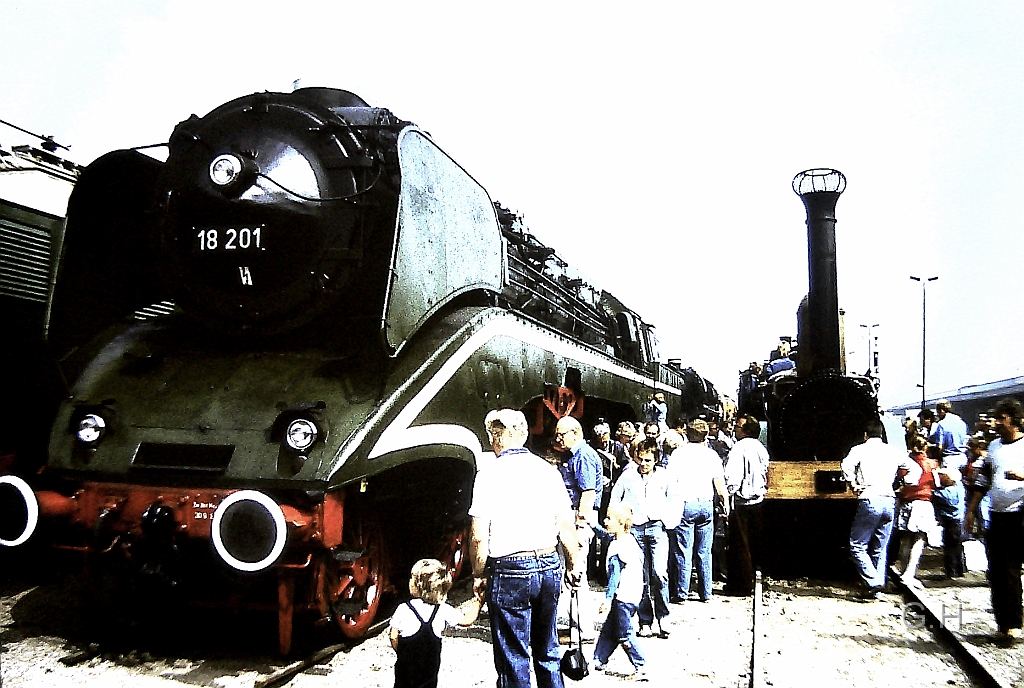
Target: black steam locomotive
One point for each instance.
(815, 411)
(280, 345)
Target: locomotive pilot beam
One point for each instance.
(281, 344)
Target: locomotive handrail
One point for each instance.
(569, 305)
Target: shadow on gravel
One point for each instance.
(838, 591)
(196, 645)
(923, 644)
(199, 646)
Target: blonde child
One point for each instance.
(417, 625)
(625, 589)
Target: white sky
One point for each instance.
(651, 144)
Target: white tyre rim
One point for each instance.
(280, 528)
(31, 506)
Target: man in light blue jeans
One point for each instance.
(871, 468)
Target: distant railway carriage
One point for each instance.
(337, 305)
(34, 188)
(971, 401)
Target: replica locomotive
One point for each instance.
(280, 345)
(814, 411)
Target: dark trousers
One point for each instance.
(1005, 556)
(952, 546)
(744, 547)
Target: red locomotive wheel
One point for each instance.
(356, 581)
(454, 549)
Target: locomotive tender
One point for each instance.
(280, 345)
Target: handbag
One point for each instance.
(573, 663)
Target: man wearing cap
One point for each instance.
(520, 512)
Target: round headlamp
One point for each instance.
(300, 434)
(225, 169)
(91, 428)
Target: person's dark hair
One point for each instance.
(647, 445)
(1013, 409)
(926, 414)
(749, 426)
(873, 428)
(917, 444)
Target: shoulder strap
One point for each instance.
(434, 614)
(418, 614)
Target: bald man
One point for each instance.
(583, 476)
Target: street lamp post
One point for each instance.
(924, 331)
(872, 364)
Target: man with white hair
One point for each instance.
(520, 512)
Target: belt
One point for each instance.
(529, 553)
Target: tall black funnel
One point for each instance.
(819, 338)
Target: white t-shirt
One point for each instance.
(522, 496)
(691, 471)
(631, 582)
(1006, 495)
(407, 623)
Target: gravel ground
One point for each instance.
(819, 635)
(811, 634)
(709, 645)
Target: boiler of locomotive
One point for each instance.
(262, 206)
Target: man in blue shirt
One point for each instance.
(583, 476)
(950, 501)
(953, 435)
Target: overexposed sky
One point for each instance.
(651, 144)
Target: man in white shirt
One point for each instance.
(746, 478)
(696, 478)
(520, 512)
(645, 491)
(871, 469)
(1003, 471)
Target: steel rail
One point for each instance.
(972, 661)
(756, 664)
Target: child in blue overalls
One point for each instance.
(417, 625)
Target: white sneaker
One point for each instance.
(913, 583)
(640, 675)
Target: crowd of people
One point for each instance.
(953, 484)
(646, 506)
(641, 509)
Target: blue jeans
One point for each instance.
(694, 535)
(523, 600)
(869, 538)
(618, 630)
(654, 545)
